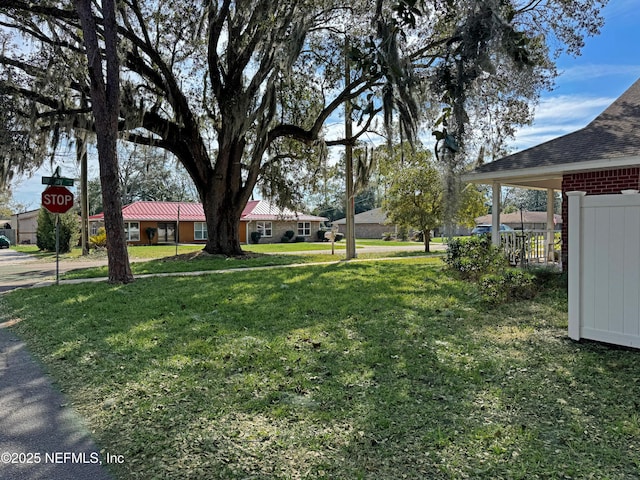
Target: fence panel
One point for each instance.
(604, 268)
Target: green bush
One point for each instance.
(549, 277)
(288, 236)
(255, 237)
(474, 257)
(512, 284)
(69, 231)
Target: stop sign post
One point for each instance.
(57, 199)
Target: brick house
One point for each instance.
(601, 158)
(188, 220)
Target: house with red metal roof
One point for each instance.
(169, 222)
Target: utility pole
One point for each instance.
(81, 157)
(350, 194)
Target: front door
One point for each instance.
(167, 232)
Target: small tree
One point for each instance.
(46, 233)
(414, 198)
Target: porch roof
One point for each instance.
(611, 140)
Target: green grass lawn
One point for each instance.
(145, 252)
(162, 258)
(371, 370)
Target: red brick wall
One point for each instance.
(594, 183)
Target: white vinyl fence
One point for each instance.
(604, 268)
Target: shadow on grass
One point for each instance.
(355, 370)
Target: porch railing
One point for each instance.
(538, 247)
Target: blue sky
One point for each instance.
(609, 64)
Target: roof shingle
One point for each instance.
(612, 134)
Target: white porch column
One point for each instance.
(575, 263)
(550, 237)
(495, 214)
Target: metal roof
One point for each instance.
(193, 212)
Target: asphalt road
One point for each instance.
(22, 270)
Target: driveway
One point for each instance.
(23, 270)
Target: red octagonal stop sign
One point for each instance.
(57, 199)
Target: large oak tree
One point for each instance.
(211, 81)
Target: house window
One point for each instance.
(304, 229)
(132, 231)
(94, 228)
(265, 228)
(200, 231)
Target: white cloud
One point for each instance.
(580, 73)
(559, 115)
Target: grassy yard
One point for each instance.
(371, 370)
(144, 252)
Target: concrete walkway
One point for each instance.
(40, 436)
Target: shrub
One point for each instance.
(288, 236)
(510, 285)
(474, 257)
(69, 231)
(99, 240)
(549, 277)
(255, 237)
(300, 239)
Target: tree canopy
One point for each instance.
(230, 87)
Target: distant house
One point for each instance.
(527, 220)
(25, 226)
(188, 220)
(370, 224)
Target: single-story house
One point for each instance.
(370, 224)
(601, 158)
(189, 221)
(597, 169)
(25, 226)
(523, 220)
(375, 224)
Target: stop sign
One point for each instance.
(57, 199)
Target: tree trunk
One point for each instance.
(223, 224)
(224, 195)
(426, 234)
(105, 103)
(117, 254)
